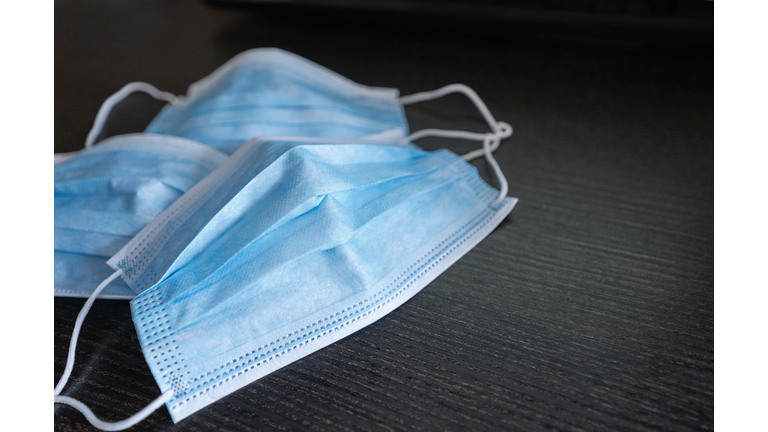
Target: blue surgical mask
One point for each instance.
(295, 245)
(268, 91)
(259, 92)
(290, 245)
(104, 196)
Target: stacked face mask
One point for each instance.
(259, 92)
(268, 91)
(293, 242)
(104, 196)
(288, 247)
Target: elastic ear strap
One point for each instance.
(503, 185)
(123, 424)
(89, 415)
(506, 132)
(116, 98)
(76, 332)
(454, 88)
(491, 141)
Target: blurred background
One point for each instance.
(509, 43)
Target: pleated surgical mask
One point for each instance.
(290, 245)
(104, 196)
(260, 91)
(268, 91)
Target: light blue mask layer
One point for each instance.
(104, 196)
(268, 91)
(288, 247)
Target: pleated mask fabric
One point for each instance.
(288, 247)
(105, 195)
(268, 91)
(326, 222)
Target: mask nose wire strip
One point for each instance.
(490, 141)
(106, 107)
(95, 421)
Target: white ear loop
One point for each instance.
(106, 107)
(89, 415)
(490, 141)
(116, 426)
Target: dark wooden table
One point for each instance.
(590, 308)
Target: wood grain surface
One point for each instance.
(589, 308)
